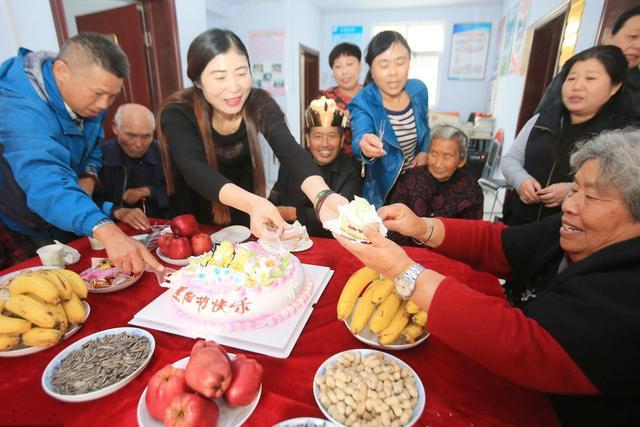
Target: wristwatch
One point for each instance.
(406, 282)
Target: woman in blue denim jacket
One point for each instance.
(389, 117)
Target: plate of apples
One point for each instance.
(210, 387)
(182, 240)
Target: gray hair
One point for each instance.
(117, 118)
(619, 154)
(92, 48)
(453, 133)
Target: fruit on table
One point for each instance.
(379, 307)
(180, 248)
(163, 386)
(191, 410)
(208, 372)
(245, 383)
(201, 243)
(164, 242)
(352, 289)
(31, 318)
(184, 225)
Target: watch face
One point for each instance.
(403, 288)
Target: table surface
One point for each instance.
(459, 391)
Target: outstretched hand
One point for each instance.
(401, 219)
(382, 255)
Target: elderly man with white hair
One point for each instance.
(131, 176)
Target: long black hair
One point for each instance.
(202, 50)
(379, 44)
(611, 58)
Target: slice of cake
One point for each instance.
(358, 214)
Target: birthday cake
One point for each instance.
(240, 287)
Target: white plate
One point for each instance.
(178, 262)
(55, 362)
(422, 397)
(140, 237)
(233, 233)
(370, 338)
(333, 225)
(306, 422)
(302, 246)
(23, 351)
(115, 288)
(229, 417)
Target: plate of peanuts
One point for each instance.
(368, 387)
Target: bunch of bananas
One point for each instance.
(39, 307)
(393, 320)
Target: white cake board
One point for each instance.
(277, 341)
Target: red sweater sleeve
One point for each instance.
(476, 243)
(500, 337)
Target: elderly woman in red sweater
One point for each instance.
(570, 323)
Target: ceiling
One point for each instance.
(361, 5)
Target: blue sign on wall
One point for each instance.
(347, 33)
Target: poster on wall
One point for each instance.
(505, 52)
(519, 34)
(266, 49)
(469, 49)
(347, 34)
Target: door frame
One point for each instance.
(302, 51)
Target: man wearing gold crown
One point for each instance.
(324, 137)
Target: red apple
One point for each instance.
(184, 225)
(164, 242)
(208, 372)
(201, 243)
(191, 410)
(163, 386)
(247, 377)
(180, 248)
(209, 343)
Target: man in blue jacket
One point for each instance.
(51, 114)
(131, 176)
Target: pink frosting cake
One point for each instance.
(240, 287)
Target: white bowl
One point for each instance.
(422, 398)
(55, 363)
(233, 233)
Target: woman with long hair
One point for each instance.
(388, 117)
(209, 138)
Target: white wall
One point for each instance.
(18, 23)
(462, 96)
(73, 8)
(510, 88)
(191, 17)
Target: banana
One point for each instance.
(75, 281)
(36, 285)
(41, 337)
(411, 332)
(382, 288)
(352, 289)
(74, 310)
(9, 341)
(392, 332)
(32, 310)
(2, 305)
(13, 325)
(363, 311)
(420, 318)
(412, 307)
(58, 312)
(64, 289)
(385, 313)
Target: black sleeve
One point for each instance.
(158, 186)
(552, 95)
(187, 152)
(476, 196)
(277, 195)
(352, 185)
(295, 159)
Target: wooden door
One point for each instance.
(125, 25)
(309, 81)
(545, 46)
(610, 12)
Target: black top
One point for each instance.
(196, 184)
(591, 308)
(342, 176)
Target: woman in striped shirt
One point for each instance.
(389, 117)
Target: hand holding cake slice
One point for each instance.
(358, 214)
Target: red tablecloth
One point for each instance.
(459, 391)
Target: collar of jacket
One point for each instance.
(113, 155)
(633, 79)
(412, 88)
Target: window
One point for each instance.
(426, 40)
